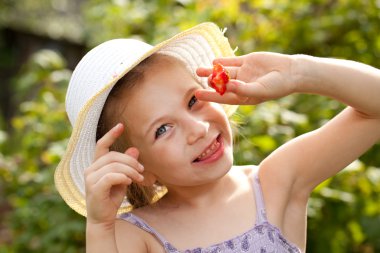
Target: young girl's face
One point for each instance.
(182, 141)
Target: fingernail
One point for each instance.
(118, 125)
(141, 167)
(198, 94)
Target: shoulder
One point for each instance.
(136, 241)
(275, 184)
(131, 238)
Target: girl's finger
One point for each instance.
(114, 168)
(104, 185)
(267, 87)
(235, 61)
(254, 92)
(103, 144)
(244, 89)
(115, 157)
(132, 151)
(205, 72)
(213, 96)
(238, 93)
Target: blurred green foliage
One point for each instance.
(37, 220)
(344, 211)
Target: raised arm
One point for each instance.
(320, 154)
(311, 158)
(106, 183)
(353, 83)
(291, 172)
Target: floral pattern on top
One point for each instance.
(264, 237)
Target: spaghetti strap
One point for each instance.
(260, 205)
(139, 222)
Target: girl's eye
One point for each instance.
(192, 101)
(161, 130)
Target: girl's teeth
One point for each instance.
(214, 146)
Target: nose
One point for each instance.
(196, 129)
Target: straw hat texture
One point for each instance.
(93, 79)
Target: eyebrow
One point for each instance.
(185, 96)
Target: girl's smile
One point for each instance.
(212, 152)
(176, 133)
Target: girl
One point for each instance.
(165, 142)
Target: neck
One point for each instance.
(200, 195)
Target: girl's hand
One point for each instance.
(255, 78)
(108, 177)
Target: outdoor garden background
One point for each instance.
(41, 42)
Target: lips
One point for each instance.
(210, 150)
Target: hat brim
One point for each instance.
(69, 175)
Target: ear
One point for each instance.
(149, 179)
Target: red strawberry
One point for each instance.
(219, 78)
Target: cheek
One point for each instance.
(159, 157)
(217, 108)
(219, 113)
(222, 120)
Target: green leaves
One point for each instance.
(36, 218)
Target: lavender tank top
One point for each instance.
(262, 238)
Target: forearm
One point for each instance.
(100, 238)
(353, 83)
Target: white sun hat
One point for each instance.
(93, 79)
